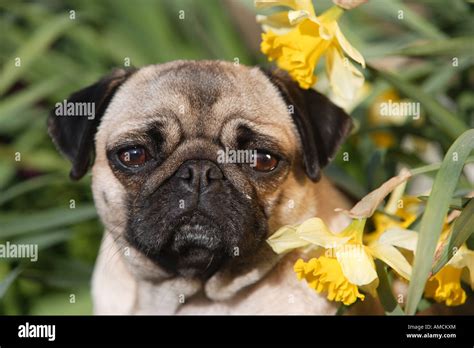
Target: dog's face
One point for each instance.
(192, 159)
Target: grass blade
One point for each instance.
(20, 224)
(459, 45)
(46, 240)
(32, 49)
(435, 212)
(412, 20)
(14, 105)
(384, 290)
(8, 280)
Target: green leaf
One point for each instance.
(28, 186)
(7, 173)
(463, 228)
(453, 46)
(13, 106)
(470, 242)
(31, 49)
(342, 309)
(59, 303)
(345, 181)
(47, 239)
(14, 125)
(455, 203)
(376, 174)
(441, 117)
(8, 280)
(20, 224)
(384, 291)
(411, 19)
(440, 79)
(435, 213)
(434, 166)
(424, 305)
(66, 273)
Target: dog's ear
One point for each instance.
(74, 135)
(322, 125)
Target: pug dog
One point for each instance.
(185, 232)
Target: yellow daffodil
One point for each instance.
(324, 274)
(297, 39)
(406, 215)
(399, 212)
(402, 217)
(348, 263)
(445, 286)
(356, 260)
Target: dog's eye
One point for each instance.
(265, 162)
(134, 156)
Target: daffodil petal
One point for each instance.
(295, 17)
(325, 31)
(347, 47)
(293, 4)
(286, 239)
(276, 20)
(392, 204)
(399, 237)
(315, 231)
(357, 265)
(392, 257)
(464, 258)
(344, 78)
(272, 3)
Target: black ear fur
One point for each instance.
(74, 135)
(322, 125)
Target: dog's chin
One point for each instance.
(198, 262)
(193, 249)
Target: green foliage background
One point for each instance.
(59, 55)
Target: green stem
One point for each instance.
(432, 167)
(332, 14)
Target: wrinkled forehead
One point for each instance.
(199, 98)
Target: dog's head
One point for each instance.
(194, 159)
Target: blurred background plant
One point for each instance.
(423, 53)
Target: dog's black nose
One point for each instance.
(199, 175)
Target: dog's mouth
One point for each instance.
(194, 249)
(195, 235)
